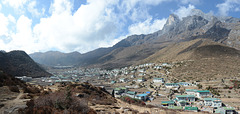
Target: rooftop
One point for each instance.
(185, 96)
(120, 88)
(228, 108)
(191, 108)
(171, 84)
(131, 92)
(191, 90)
(175, 107)
(167, 102)
(140, 95)
(212, 99)
(203, 91)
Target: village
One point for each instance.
(153, 84)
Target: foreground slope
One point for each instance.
(18, 63)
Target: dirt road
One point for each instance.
(11, 106)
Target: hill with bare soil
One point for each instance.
(199, 59)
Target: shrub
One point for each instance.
(14, 89)
(199, 86)
(132, 101)
(61, 100)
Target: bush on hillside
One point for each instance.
(132, 101)
(14, 89)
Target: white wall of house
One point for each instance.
(212, 103)
(190, 99)
(203, 94)
(158, 80)
(190, 92)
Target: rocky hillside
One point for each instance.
(224, 30)
(18, 63)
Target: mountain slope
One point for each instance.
(190, 50)
(225, 30)
(199, 59)
(18, 63)
(54, 58)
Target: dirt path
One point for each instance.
(139, 108)
(11, 106)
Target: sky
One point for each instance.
(85, 25)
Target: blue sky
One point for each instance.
(84, 25)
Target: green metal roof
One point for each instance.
(185, 96)
(167, 102)
(131, 92)
(120, 88)
(191, 108)
(117, 89)
(228, 108)
(191, 90)
(113, 81)
(123, 88)
(175, 107)
(203, 91)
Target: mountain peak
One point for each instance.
(172, 19)
(197, 12)
(171, 23)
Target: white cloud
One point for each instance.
(60, 6)
(0, 7)
(147, 26)
(137, 9)
(15, 3)
(82, 31)
(93, 25)
(11, 18)
(22, 39)
(31, 7)
(237, 9)
(227, 6)
(184, 11)
(3, 25)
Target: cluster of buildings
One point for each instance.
(197, 100)
(123, 91)
(189, 99)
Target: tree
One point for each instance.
(113, 93)
(199, 86)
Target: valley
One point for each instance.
(189, 66)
